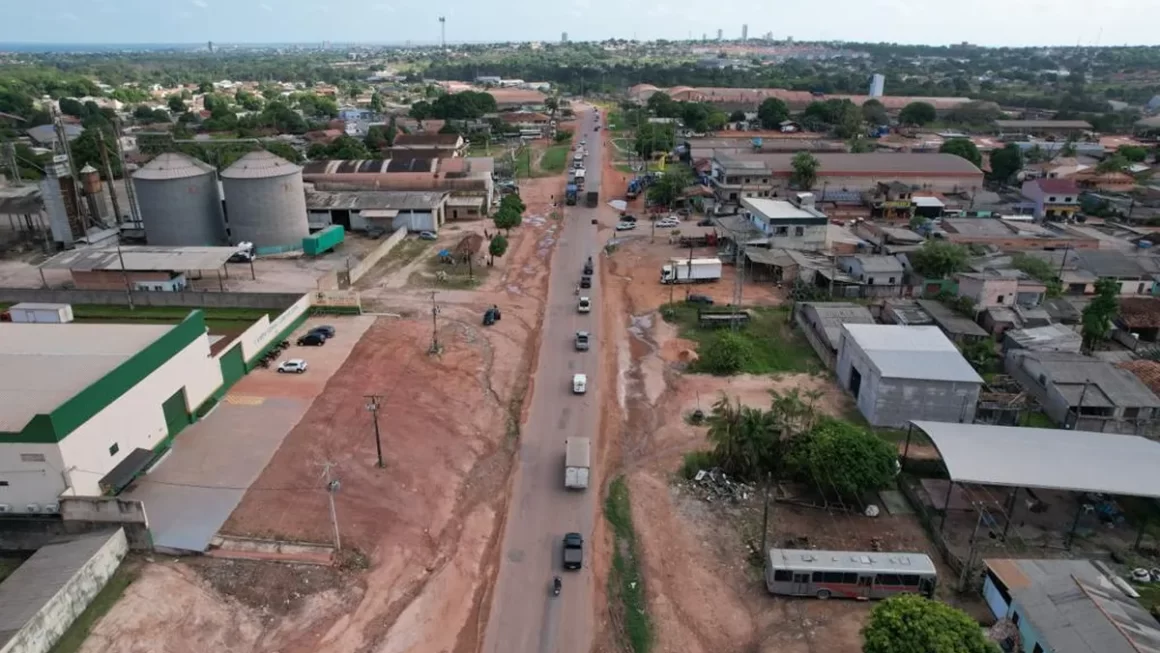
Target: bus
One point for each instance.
(848, 574)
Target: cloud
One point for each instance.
(266, 7)
(200, 3)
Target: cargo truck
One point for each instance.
(593, 199)
(697, 270)
(577, 457)
(570, 194)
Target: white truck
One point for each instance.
(697, 270)
(577, 460)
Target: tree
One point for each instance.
(917, 113)
(745, 439)
(860, 145)
(421, 110)
(849, 123)
(507, 218)
(1035, 154)
(1068, 149)
(514, 202)
(86, 150)
(146, 113)
(737, 116)
(841, 457)
(73, 107)
(284, 150)
(1133, 153)
(805, 170)
(1098, 314)
(498, 247)
(662, 105)
(963, 147)
(176, 104)
(772, 112)
(552, 104)
(874, 112)
(377, 102)
(376, 138)
(392, 131)
(938, 259)
(670, 187)
(909, 623)
(248, 101)
(1114, 163)
(652, 138)
(1006, 162)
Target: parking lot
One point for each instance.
(195, 487)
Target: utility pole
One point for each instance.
(765, 517)
(373, 407)
(109, 176)
(124, 272)
(434, 325)
(332, 487)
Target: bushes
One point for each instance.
(725, 354)
(839, 455)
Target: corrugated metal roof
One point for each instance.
(912, 352)
(141, 258)
(374, 200)
(173, 165)
(260, 165)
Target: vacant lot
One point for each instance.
(555, 158)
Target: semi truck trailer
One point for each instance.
(697, 270)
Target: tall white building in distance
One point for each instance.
(877, 85)
(720, 34)
(744, 33)
(563, 37)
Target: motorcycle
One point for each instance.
(556, 585)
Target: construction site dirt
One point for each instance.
(420, 532)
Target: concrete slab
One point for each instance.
(193, 490)
(895, 503)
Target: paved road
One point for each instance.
(525, 617)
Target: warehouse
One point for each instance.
(362, 209)
(84, 407)
(899, 373)
(145, 267)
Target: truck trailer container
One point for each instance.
(40, 313)
(592, 199)
(697, 270)
(577, 460)
(323, 241)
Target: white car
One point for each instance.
(579, 384)
(668, 223)
(585, 305)
(625, 226)
(295, 365)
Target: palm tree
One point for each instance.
(744, 438)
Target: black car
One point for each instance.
(586, 281)
(312, 340)
(707, 222)
(324, 330)
(700, 299)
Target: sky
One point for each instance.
(982, 22)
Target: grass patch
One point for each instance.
(76, 634)
(455, 277)
(768, 345)
(555, 159)
(625, 582)
(406, 251)
(1037, 419)
(218, 320)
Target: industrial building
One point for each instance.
(362, 209)
(144, 267)
(180, 202)
(900, 373)
(265, 202)
(85, 406)
(469, 180)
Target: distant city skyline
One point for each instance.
(988, 22)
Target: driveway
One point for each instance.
(191, 492)
(524, 617)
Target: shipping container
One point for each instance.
(323, 241)
(32, 312)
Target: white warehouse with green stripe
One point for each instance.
(79, 400)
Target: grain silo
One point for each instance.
(179, 201)
(265, 201)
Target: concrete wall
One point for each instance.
(262, 333)
(191, 300)
(49, 605)
(898, 401)
(34, 472)
(377, 255)
(135, 420)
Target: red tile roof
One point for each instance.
(1057, 186)
(1147, 371)
(1140, 312)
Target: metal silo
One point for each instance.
(265, 201)
(179, 201)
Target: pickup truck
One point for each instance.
(573, 551)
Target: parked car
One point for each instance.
(427, 235)
(700, 299)
(625, 226)
(585, 305)
(324, 330)
(705, 222)
(625, 217)
(312, 340)
(375, 233)
(294, 365)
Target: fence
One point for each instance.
(929, 518)
(376, 255)
(268, 300)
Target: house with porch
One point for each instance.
(1053, 199)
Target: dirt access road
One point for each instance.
(525, 617)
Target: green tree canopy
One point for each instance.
(963, 147)
(772, 112)
(498, 246)
(1006, 162)
(1097, 316)
(652, 138)
(1133, 153)
(507, 218)
(1114, 163)
(670, 187)
(917, 113)
(909, 623)
(175, 103)
(514, 202)
(805, 170)
(874, 112)
(841, 457)
(737, 116)
(746, 440)
(938, 259)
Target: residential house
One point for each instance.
(45, 135)
(1010, 235)
(1043, 128)
(843, 242)
(1140, 316)
(887, 239)
(880, 276)
(986, 289)
(899, 373)
(1148, 371)
(1061, 311)
(420, 144)
(515, 98)
(891, 201)
(821, 322)
(1113, 182)
(1067, 606)
(1084, 393)
(1050, 337)
(958, 327)
(1054, 199)
(999, 319)
(1135, 274)
(789, 225)
(905, 312)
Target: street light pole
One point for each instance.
(373, 407)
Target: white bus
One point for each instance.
(848, 574)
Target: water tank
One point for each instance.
(179, 202)
(265, 201)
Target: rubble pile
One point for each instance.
(715, 485)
